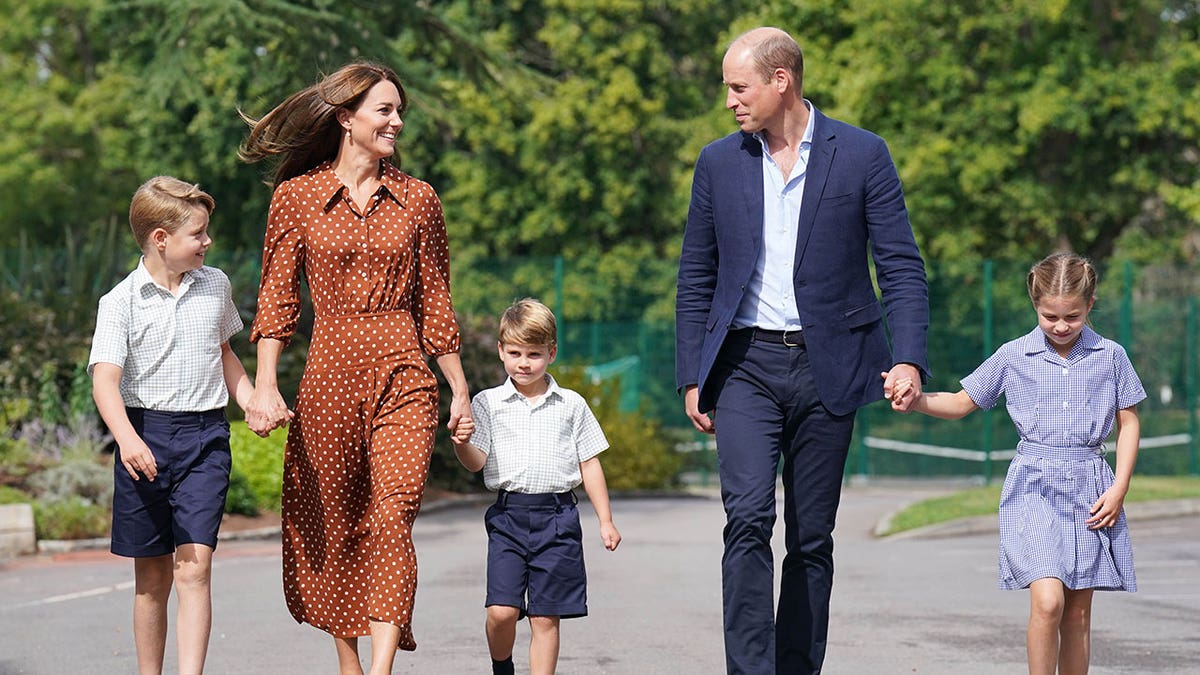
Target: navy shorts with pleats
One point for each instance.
(185, 502)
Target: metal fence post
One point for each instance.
(1191, 361)
(989, 329)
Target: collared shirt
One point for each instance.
(168, 346)
(1057, 402)
(770, 299)
(534, 448)
(390, 256)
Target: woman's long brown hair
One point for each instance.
(304, 129)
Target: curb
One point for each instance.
(990, 524)
(55, 546)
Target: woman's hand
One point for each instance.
(461, 424)
(266, 410)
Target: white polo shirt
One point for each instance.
(168, 346)
(534, 448)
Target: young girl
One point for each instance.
(1062, 527)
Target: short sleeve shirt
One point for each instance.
(168, 346)
(1054, 401)
(534, 448)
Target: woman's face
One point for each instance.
(375, 124)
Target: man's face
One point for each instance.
(754, 102)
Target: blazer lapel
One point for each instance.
(750, 173)
(820, 159)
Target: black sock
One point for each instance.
(504, 667)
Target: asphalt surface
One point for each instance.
(918, 604)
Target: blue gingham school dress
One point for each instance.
(1063, 409)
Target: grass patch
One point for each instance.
(982, 501)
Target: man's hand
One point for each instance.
(691, 405)
(902, 396)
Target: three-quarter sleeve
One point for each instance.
(278, 310)
(431, 305)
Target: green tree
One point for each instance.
(1022, 127)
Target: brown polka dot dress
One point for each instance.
(358, 450)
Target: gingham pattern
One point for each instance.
(535, 448)
(169, 347)
(1063, 409)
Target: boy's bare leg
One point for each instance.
(543, 645)
(193, 621)
(1046, 602)
(384, 639)
(1076, 631)
(347, 653)
(501, 630)
(152, 589)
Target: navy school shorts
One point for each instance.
(185, 502)
(535, 555)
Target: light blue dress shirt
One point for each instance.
(770, 299)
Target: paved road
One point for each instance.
(900, 606)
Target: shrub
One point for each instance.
(241, 498)
(640, 455)
(11, 495)
(71, 518)
(86, 480)
(260, 462)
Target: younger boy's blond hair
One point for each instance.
(528, 322)
(165, 202)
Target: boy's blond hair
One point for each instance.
(528, 322)
(164, 202)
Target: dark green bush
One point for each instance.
(241, 498)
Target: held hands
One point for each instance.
(902, 386)
(461, 425)
(266, 410)
(461, 433)
(1107, 509)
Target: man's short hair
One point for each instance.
(774, 48)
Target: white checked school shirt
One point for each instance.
(169, 347)
(1057, 402)
(534, 449)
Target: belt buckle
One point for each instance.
(785, 339)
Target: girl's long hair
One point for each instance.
(304, 130)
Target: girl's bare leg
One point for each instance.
(152, 589)
(1046, 601)
(1076, 630)
(193, 620)
(543, 645)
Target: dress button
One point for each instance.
(1065, 371)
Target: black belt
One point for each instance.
(787, 338)
(505, 498)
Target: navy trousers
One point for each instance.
(767, 409)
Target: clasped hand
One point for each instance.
(267, 411)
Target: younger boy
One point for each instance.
(161, 372)
(535, 442)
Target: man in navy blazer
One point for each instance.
(781, 335)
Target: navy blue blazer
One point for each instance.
(852, 203)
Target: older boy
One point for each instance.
(535, 442)
(161, 372)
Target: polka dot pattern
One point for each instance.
(358, 451)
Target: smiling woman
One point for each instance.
(371, 242)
